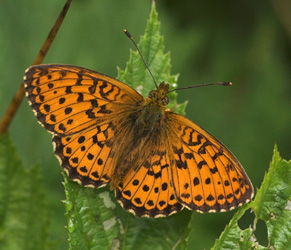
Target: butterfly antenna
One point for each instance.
(130, 37)
(203, 85)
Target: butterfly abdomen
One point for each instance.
(139, 134)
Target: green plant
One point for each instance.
(96, 221)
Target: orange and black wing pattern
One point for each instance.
(148, 191)
(206, 176)
(79, 106)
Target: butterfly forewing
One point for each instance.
(69, 99)
(206, 175)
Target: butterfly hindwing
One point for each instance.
(85, 156)
(148, 190)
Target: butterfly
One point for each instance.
(157, 161)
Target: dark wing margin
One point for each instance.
(86, 156)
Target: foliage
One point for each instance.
(272, 204)
(209, 41)
(24, 216)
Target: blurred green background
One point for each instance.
(246, 42)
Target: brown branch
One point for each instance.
(16, 101)
(283, 10)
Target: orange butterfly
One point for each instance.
(157, 161)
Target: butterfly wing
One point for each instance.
(79, 107)
(69, 99)
(148, 191)
(206, 176)
(86, 156)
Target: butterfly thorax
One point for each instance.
(142, 133)
(153, 108)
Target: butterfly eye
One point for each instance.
(165, 100)
(152, 94)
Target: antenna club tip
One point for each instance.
(227, 83)
(127, 33)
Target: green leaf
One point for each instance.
(95, 219)
(159, 233)
(273, 203)
(92, 220)
(233, 237)
(152, 48)
(24, 217)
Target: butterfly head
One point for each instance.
(159, 95)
